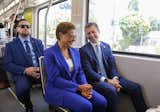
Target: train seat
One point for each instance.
(43, 80)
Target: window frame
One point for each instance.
(123, 52)
(55, 3)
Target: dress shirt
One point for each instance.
(95, 50)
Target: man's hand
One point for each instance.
(118, 87)
(115, 83)
(86, 90)
(33, 71)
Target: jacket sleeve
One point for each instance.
(54, 75)
(87, 67)
(8, 62)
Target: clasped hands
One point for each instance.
(85, 90)
(33, 72)
(115, 83)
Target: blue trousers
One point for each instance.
(23, 86)
(80, 104)
(128, 87)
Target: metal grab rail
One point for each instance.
(45, 22)
(14, 17)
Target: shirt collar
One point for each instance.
(94, 44)
(23, 39)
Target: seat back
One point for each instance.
(42, 73)
(2, 50)
(43, 81)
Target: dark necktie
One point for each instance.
(101, 68)
(28, 50)
(31, 56)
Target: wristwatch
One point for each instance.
(105, 80)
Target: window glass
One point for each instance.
(57, 13)
(128, 25)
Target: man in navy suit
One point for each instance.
(100, 69)
(21, 60)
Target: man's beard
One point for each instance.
(25, 34)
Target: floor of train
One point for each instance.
(8, 103)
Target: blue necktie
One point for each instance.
(101, 68)
(28, 50)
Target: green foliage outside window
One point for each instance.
(133, 28)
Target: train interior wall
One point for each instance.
(143, 70)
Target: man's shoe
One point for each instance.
(29, 107)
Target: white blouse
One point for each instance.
(70, 64)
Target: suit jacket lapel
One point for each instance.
(74, 60)
(92, 53)
(61, 59)
(22, 50)
(104, 54)
(35, 48)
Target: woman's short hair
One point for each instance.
(64, 27)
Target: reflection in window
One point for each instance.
(128, 25)
(57, 13)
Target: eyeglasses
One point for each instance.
(24, 26)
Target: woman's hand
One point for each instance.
(86, 90)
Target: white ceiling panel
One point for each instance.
(4, 3)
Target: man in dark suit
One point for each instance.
(21, 60)
(100, 69)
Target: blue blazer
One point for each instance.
(90, 62)
(15, 59)
(59, 78)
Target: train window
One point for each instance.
(57, 13)
(128, 25)
(16, 1)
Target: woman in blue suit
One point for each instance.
(66, 84)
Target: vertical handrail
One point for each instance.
(12, 22)
(45, 23)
